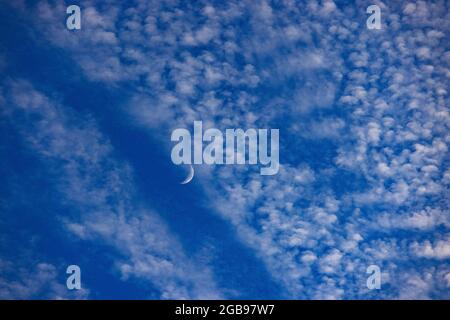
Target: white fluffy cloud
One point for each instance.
(388, 87)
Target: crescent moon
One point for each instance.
(190, 176)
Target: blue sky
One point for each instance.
(85, 124)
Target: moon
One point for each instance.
(190, 176)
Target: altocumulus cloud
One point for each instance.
(343, 194)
